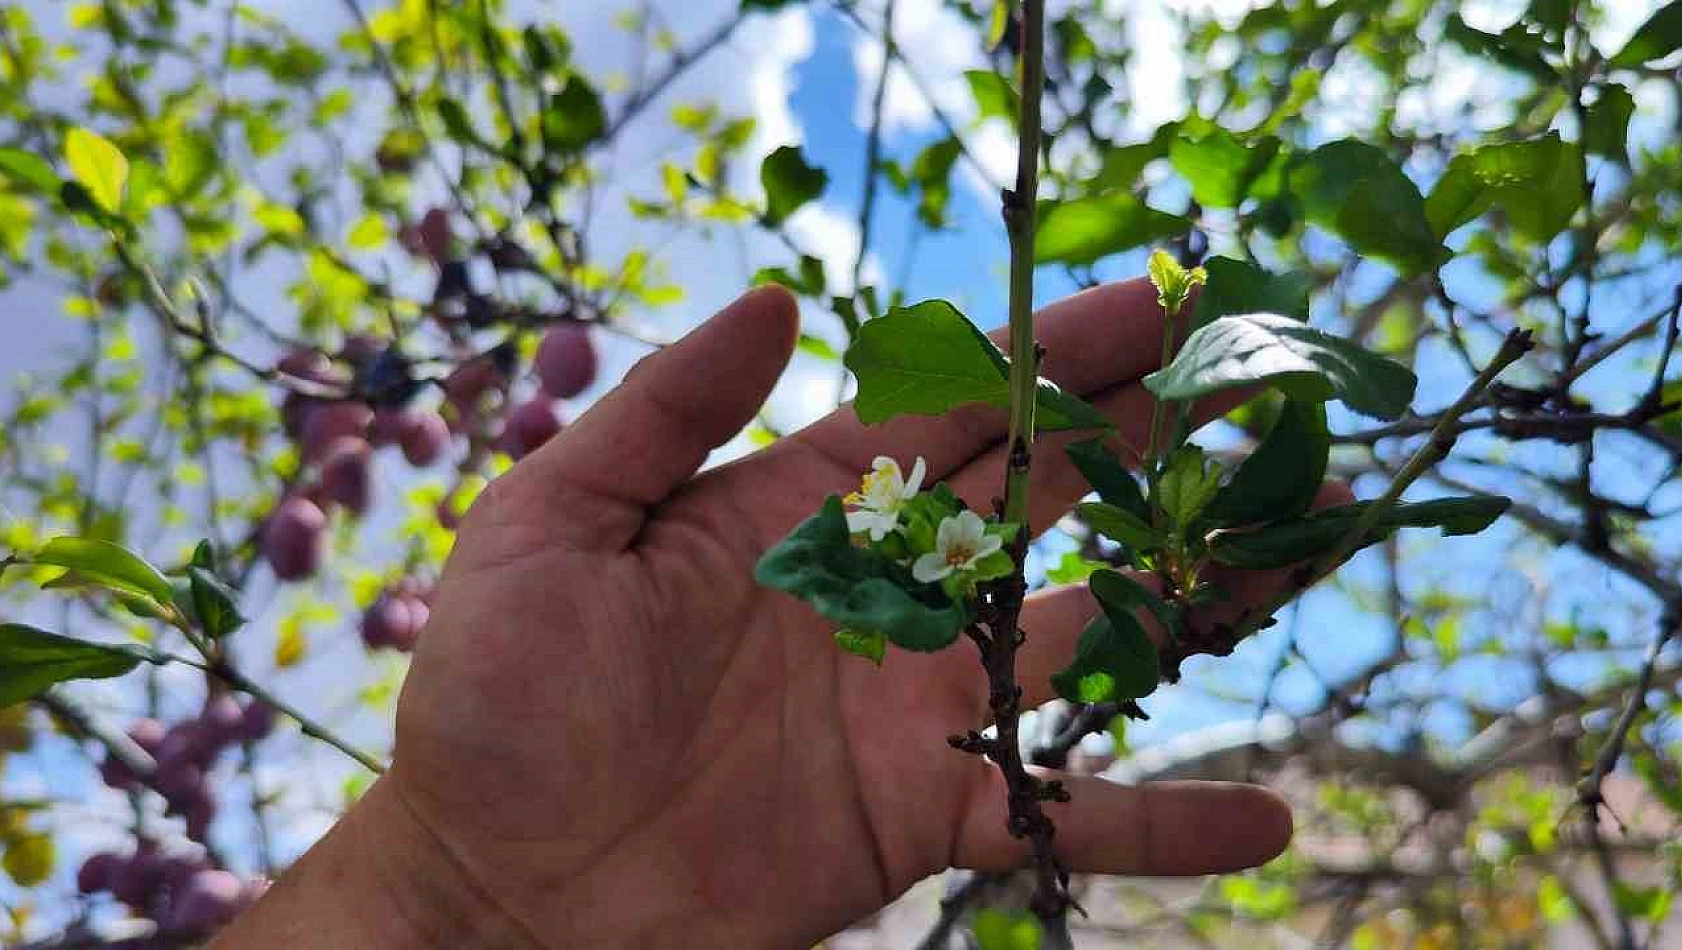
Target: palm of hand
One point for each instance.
(611, 728)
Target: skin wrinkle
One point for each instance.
(861, 797)
(479, 891)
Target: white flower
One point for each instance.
(960, 541)
(880, 498)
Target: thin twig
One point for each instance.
(1435, 449)
(681, 62)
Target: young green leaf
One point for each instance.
(1107, 475)
(871, 645)
(1120, 525)
(1072, 568)
(1355, 191)
(1239, 287)
(857, 588)
(997, 929)
(1283, 474)
(98, 166)
(32, 660)
(993, 96)
(1660, 36)
(1173, 281)
(1188, 483)
(1114, 660)
(927, 358)
(108, 565)
(789, 183)
(1538, 184)
(1295, 540)
(1084, 230)
(1297, 359)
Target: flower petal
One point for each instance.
(930, 567)
(919, 469)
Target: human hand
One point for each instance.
(611, 736)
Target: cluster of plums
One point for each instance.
(185, 895)
(184, 754)
(379, 383)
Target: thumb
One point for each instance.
(649, 435)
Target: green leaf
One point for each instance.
(1173, 281)
(1084, 230)
(29, 170)
(1119, 592)
(98, 166)
(998, 23)
(1240, 287)
(872, 645)
(1188, 483)
(108, 565)
(1538, 184)
(1515, 47)
(1660, 36)
(810, 281)
(1114, 660)
(1294, 540)
(1122, 165)
(215, 604)
(32, 660)
(932, 171)
(1072, 568)
(1355, 191)
(995, 929)
(1111, 479)
(1607, 130)
(1647, 903)
(994, 98)
(1282, 476)
(574, 118)
(927, 358)
(1289, 355)
(456, 121)
(1220, 167)
(789, 183)
(1120, 525)
(1551, 15)
(856, 588)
